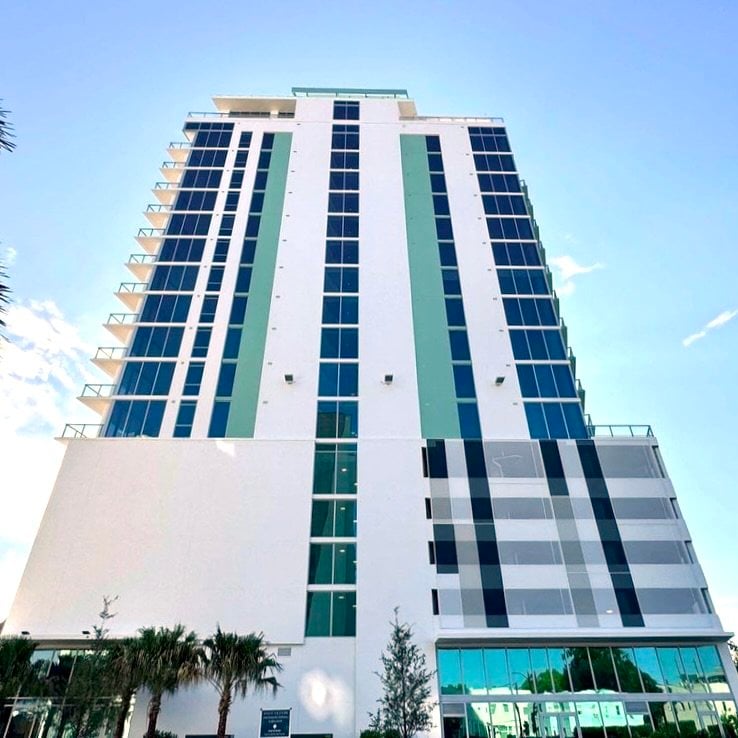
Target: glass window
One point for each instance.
(219, 420)
(318, 621)
(333, 519)
(627, 670)
(604, 670)
(464, 380)
(536, 420)
(201, 342)
(693, 670)
(320, 567)
(238, 310)
(540, 671)
(558, 659)
(469, 424)
(455, 312)
(459, 341)
(343, 620)
(650, 670)
(472, 666)
(712, 668)
(224, 387)
(322, 519)
(345, 517)
(193, 378)
(580, 670)
(496, 670)
(344, 563)
(521, 676)
(449, 671)
(335, 469)
(185, 419)
(672, 669)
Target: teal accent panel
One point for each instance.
(245, 397)
(437, 393)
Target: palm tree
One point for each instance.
(169, 658)
(232, 664)
(6, 132)
(127, 675)
(16, 668)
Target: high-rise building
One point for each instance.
(345, 386)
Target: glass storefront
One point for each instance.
(584, 692)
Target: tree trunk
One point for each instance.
(224, 707)
(154, 710)
(120, 723)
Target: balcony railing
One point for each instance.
(241, 114)
(172, 165)
(122, 318)
(158, 208)
(619, 431)
(142, 259)
(132, 287)
(166, 186)
(150, 233)
(179, 144)
(110, 353)
(81, 430)
(98, 390)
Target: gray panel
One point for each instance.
(538, 602)
(515, 459)
(628, 461)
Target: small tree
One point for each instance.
(89, 693)
(233, 664)
(404, 705)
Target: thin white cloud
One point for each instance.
(43, 366)
(567, 269)
(719, 320)
(8, 256)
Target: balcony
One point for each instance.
(150, 238)
(618, 431)
(109, 359)
(131, 294)
(121, 325)
(158, 214)
(141, 265)
(75, 431)
(172, 170)
(179, 150)
(166, 192)
(97, 396)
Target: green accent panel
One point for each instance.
(437, 394)
(245, 397)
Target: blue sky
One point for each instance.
(623, 118)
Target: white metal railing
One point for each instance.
(112, 353)
(98, 390)
(158, 208)
(132, 287)
(150, 233)
(81, 430)
(142, 259)
(122, 318)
